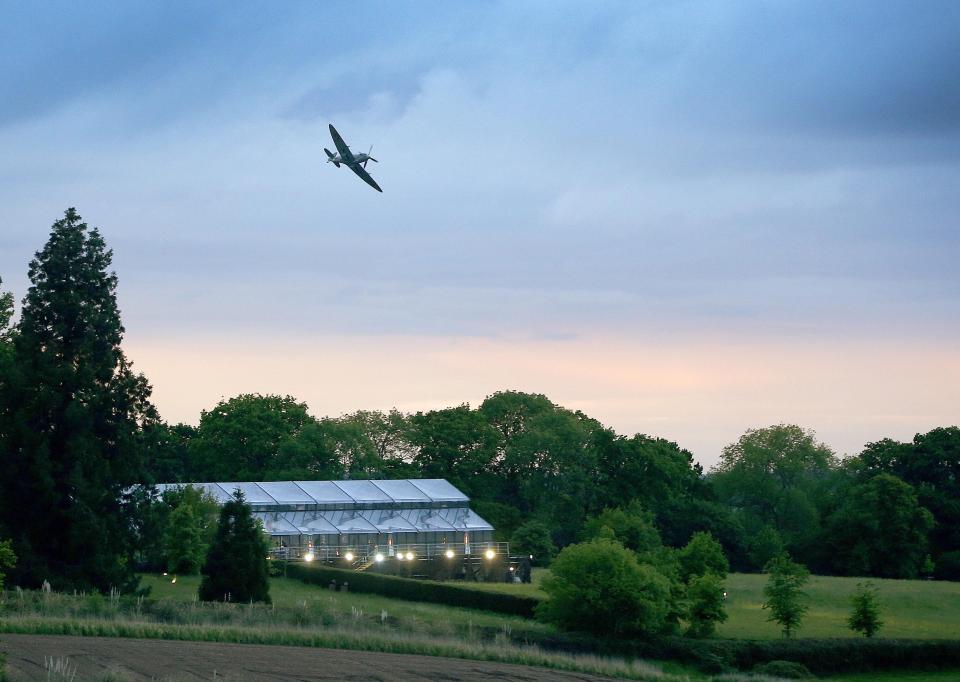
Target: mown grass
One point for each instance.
(914, 609)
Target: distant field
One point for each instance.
(922, 609)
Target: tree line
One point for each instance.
(78, 432)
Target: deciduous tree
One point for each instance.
(865, 614)
(783, 593)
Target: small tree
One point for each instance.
(632, 526)
(236, 566)
(533, 538)
(7, 559)
(600, 587)
(865, 614)
(702, 555)
(705, 605)
(784, 596)
(188, 528)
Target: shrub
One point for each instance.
(7, 559)
(600, 587)
(948, 566)
(786, 669)
(415, 590)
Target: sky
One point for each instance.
(685, 218)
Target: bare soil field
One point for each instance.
(98, 658)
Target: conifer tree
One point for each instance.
(71, 419)
(236, 565)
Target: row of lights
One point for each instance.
(378, 557)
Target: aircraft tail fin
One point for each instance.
(330, 157)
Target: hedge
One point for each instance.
(415, 590)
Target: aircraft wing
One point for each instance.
(341, 145)
(358, 169)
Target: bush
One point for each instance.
(787, 669)
(948, 566)
(600, 587)
(415, 590)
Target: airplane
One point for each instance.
(355, 162)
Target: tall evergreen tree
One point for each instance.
(72, 419)
(236, 565)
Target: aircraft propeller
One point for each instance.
(369, 158)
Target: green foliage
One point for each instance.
(415, 590)
(236, 565)
(881, 529)
(702, 556)
(254, 438)
(705, 605)
(533, 538)
(784, 596)
(7, 559)
(764, 545)
(948, 566)
(777, 476)
(600, 587)
(189, 528)
(632, 527)
(72, 414)
(865, 614)
(931, 464)
(788, 670)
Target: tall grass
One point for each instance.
(324, 622)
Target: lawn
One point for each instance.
(921, 609)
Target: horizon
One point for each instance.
(685, 221)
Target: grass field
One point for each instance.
(921, 609)
(910, 608)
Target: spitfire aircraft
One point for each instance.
(355, 162)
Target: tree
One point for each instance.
(600, 587)
(777, 476)
(764, 545)
(705, 605)
(865, 614)
(236, 565)
(533, 538)
(189, 527)
(783, 593)
(255, 437)
(931, 464)
(880, 529)
(7, 559)
(71, 421)
(632, 527)
(6, 317)
(702, 556)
